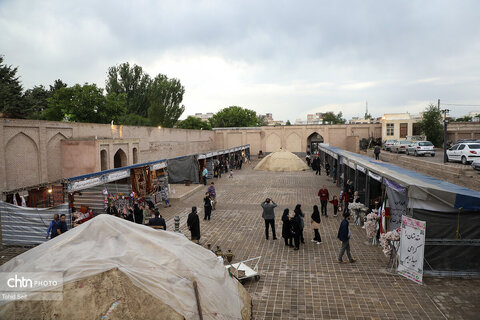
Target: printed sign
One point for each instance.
(398, 207)
(412, 246)
(117, 175)
(158, 166)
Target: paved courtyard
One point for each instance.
(309, 283)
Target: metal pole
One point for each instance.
(445, 124)
(177, 223)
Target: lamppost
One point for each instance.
(445, 123)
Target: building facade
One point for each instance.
(400, 125)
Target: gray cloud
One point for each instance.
(289, 58)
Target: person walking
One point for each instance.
(324, 197)
(298, 210)
(316, 224)
(318, 167)
(63, 224)
(287, 228)
(204, 175)
(207, 206)
(269, 216)
(307, 158)
(296, 224)
(344, 237)
(193, 223)
(334, 174)
(334, 202)
(346, 201)
(376, 151)
(213, 195)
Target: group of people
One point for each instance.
(316, 165)
(57, 226)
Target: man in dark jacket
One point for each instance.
(269, 216)
(158, 221)
(193, 223)
(344, 236)
(138, 213)
(376, 151)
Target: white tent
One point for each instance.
(161, 263)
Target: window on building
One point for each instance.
(390, 129)
(416, 131)
(403, 130)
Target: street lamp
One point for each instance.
(445, 123)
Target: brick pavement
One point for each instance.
(309, 283)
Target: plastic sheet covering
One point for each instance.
(181, 169)
(162, 263)
(28, 226)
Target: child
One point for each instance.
(335, 205)
(231, 173)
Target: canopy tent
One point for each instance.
(452, 212)
(421, 188)
(183, 168)
(281, 160)
(162, 264)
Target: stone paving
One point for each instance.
(309, 283)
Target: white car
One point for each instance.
(476, 164)
(464, 152)
(400, 146)
(388, 144)
(421, 148)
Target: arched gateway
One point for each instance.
(313, 142)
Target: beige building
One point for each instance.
(357, 120)
(400, 125)
(299, 139)
(35, 152)
(203, 116)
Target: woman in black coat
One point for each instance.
(297, 228)
(298, 210)
(193, 224)
(287, 228)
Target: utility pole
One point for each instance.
(445, 123)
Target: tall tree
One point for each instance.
(194, 123)
(36, 100)
(262, 120)
(165, 96)
(431, 124)
(234, 116)
(331, 118)
(132, 81)
(85, 104)
(11, 99)
(288, 123)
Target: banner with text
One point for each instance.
(412, 246)
(397, 200)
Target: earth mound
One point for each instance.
(281, 160)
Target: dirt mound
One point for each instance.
(281, 160)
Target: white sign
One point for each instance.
(412, 246)
(158, 166)
(84, 184)
(375, 176)
(360, 168)
(117, 175)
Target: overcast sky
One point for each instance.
(289, 58)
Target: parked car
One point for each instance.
(467, 141)
(400, 146)
(420, 148)
(476, 164)
(388, 144)
(464, 152)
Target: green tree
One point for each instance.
(234, 116)
(133, 119)
(431, 124)
(194, 123)
(262, 120)
(85, 104)
(35, 99)
(464, 119)
(288, 123)
(165, 96)
(331, 118)
(11, 99)
(133, 82)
